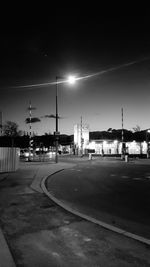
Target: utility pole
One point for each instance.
(122, 137)
(30, 133)
(81, 137)
(56, 133)
(29, 120)
(1, 123)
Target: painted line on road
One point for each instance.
(90, 219)
(77, 170)
(76, 189)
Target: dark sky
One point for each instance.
(36, 50)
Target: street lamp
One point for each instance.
(71, 80)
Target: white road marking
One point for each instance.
(76, 189)
(67, 222)
(124, 176)
(87, 239)
(55, 254)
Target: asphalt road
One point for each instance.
(115, 192)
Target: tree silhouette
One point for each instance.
(137, 128)
(10, 128)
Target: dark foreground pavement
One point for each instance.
(38, 232)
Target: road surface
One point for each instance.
(112, 191)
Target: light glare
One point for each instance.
(71, 79)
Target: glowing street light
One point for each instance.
(70, 80)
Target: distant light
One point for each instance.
(71, 79)
(104, 142)
(92, 145)
(134, 143)
(148, 130)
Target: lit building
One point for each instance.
(114, 147)
(105, 146)
(81, 137)
(83, 145)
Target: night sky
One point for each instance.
(36, 51)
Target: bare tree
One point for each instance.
(10, 128)
(137, 128)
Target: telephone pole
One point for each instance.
(122, 137)
(1, 123)
(56, 132)
(30, 108)
(30, 128)
(81, 138)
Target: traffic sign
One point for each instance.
(31, 142)
(56, 133)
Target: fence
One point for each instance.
(9, 159)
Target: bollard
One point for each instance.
(126, 158)
(90, 156)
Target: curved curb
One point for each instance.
(42, 172)
(90, 219)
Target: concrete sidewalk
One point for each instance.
(37, 171)
(59, 238)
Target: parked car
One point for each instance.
(24, 153)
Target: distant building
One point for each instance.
(83, 145)
(114, 147)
